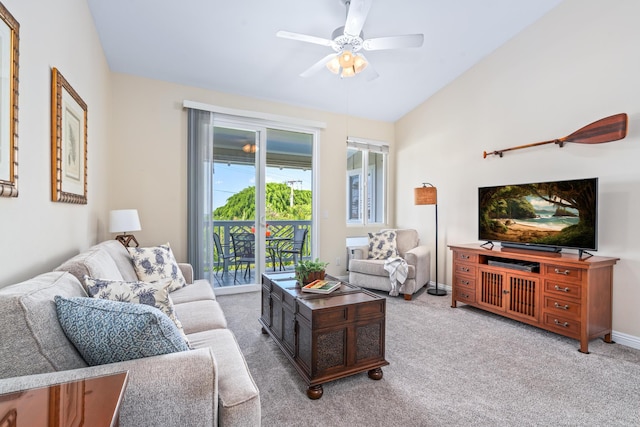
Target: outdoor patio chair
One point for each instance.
(296, 247)
(223, 256)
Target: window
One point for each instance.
(366, 181)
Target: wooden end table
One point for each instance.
(88, 402)
(324, 336)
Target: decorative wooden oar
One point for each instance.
(609, 129)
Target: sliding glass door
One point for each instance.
(261, 181)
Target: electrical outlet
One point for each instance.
(337, 261)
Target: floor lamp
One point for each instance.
(428, 195)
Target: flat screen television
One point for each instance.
(541, 215)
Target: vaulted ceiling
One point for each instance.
(231, 47)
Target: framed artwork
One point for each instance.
(68, 142)
(9, 37)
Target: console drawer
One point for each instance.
(561, 307)
(466, 283)
(464, 295)
(465, 257)
(567, 290)
(563, 325)
(464, 269)
(558, 272)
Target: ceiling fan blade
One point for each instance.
(318, 65)
(356, 15)
(304, 38)
(394, 42)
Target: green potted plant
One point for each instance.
(309, 270)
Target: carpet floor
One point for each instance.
(450, 367)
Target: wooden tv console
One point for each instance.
(554, 291)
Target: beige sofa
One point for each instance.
(209, 385)
(370, 273)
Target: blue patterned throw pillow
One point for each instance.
(382, 245)
(155, 294)
(106, 331)
(157, 263)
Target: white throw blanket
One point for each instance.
(398, 270)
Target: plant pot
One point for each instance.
(313, 275)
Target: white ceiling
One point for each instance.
(230, 46)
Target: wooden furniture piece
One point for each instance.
(325, 337)
(89, 402)
(554, 291)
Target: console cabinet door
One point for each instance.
(518, 295)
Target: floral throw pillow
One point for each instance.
(382, 245)
(157, 263)
(155, 294)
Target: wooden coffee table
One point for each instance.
(325, 337)
(91, 401)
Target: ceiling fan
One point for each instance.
(347, 41)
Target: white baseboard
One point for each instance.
(626, 339)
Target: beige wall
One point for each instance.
(577, 65)
(38, 234)
(149, 144)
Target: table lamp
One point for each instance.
(123, 221)
(428, 195)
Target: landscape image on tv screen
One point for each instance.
(558, 213)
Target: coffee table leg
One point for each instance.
(314, 392)
(375, 374)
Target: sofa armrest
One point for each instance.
(420, 258)
(161, 390)
(187, 271)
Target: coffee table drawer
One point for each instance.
(330, 317)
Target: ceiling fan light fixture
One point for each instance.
(346, 58)
(348, 72)
(359, 64)
(334, 65)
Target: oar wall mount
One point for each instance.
(609, 129)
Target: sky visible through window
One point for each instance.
(231, 179)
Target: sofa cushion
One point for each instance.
(197, 316)
(106, 331)
(120, 256)
(197, 291)
(155, 294)
(157, 263)
(382, 245)
(92, 263)
(32, 340)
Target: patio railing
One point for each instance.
(277, 229)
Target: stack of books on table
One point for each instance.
(322, 286)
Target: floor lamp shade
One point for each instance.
(428, 195)
(123, 221)
(425, 195)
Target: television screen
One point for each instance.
(556, 214)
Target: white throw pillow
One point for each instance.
(157, 263)
(382, 245)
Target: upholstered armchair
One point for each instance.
(367, 272)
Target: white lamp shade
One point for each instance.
(124, 220)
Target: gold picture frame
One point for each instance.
(9, 53)
(68, 142)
